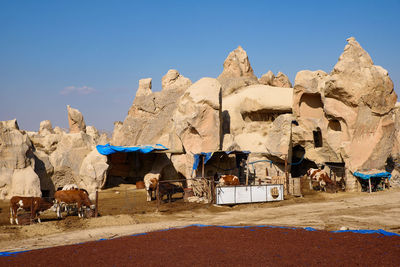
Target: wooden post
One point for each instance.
(158, 195)
(202, 168)
(286, 174)
(247, 172)
(209, 191)
(31, 211)
(96, 209)
(369, 181)
(212, 191)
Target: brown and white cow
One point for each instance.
(34, 204)
(75, 196)
(151, 185)
(228, 179)
(320, 179)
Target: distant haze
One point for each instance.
(91, 54)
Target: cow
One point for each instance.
(35, 204)
(165, 188)
(320, 179)
(168, 189)
(228, 179)
(70, 187)
(71, 207)
(150, 184)
(67, 207)
(78, 196)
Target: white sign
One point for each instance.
(248, 194)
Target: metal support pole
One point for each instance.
(369, 181)
(212, 191)
(247, 172)
(202, 168)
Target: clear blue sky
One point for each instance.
(91, 54)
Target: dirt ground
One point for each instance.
(124, 211)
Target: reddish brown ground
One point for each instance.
(216, 246)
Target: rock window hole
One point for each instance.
(317, 138)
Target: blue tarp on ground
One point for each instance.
(109, 149)
(375, 175)
(379, 231)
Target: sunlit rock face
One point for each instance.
(237, 72)
(75, 120)
(17, 175)
(149, 120)
(351, 111)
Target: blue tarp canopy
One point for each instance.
(375, 175)
(208, 155)
(109, 149)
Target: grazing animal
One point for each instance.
(341, 184)
(150, 184)
(228, 179)
(70, 187)
(165, 188)
(35, 204)
(320, 179)
(75, 196)
(169, 189)
(67, 207)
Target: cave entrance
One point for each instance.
(263, 115)
(223, 162)
(131, 167)
(128, 167)
(336, 170)
(300, 165)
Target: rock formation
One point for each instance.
(43, 161)
(347, 119)
(144, 88)
(280, 80)
(149, 118)
(45, 127)
(197, 118)
(237, 72)
(17, 176)
(351, 111)
(75, 120)
(174, 80)
(249, 114)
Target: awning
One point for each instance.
(109, 149)
(374, 175)
(208, 155)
